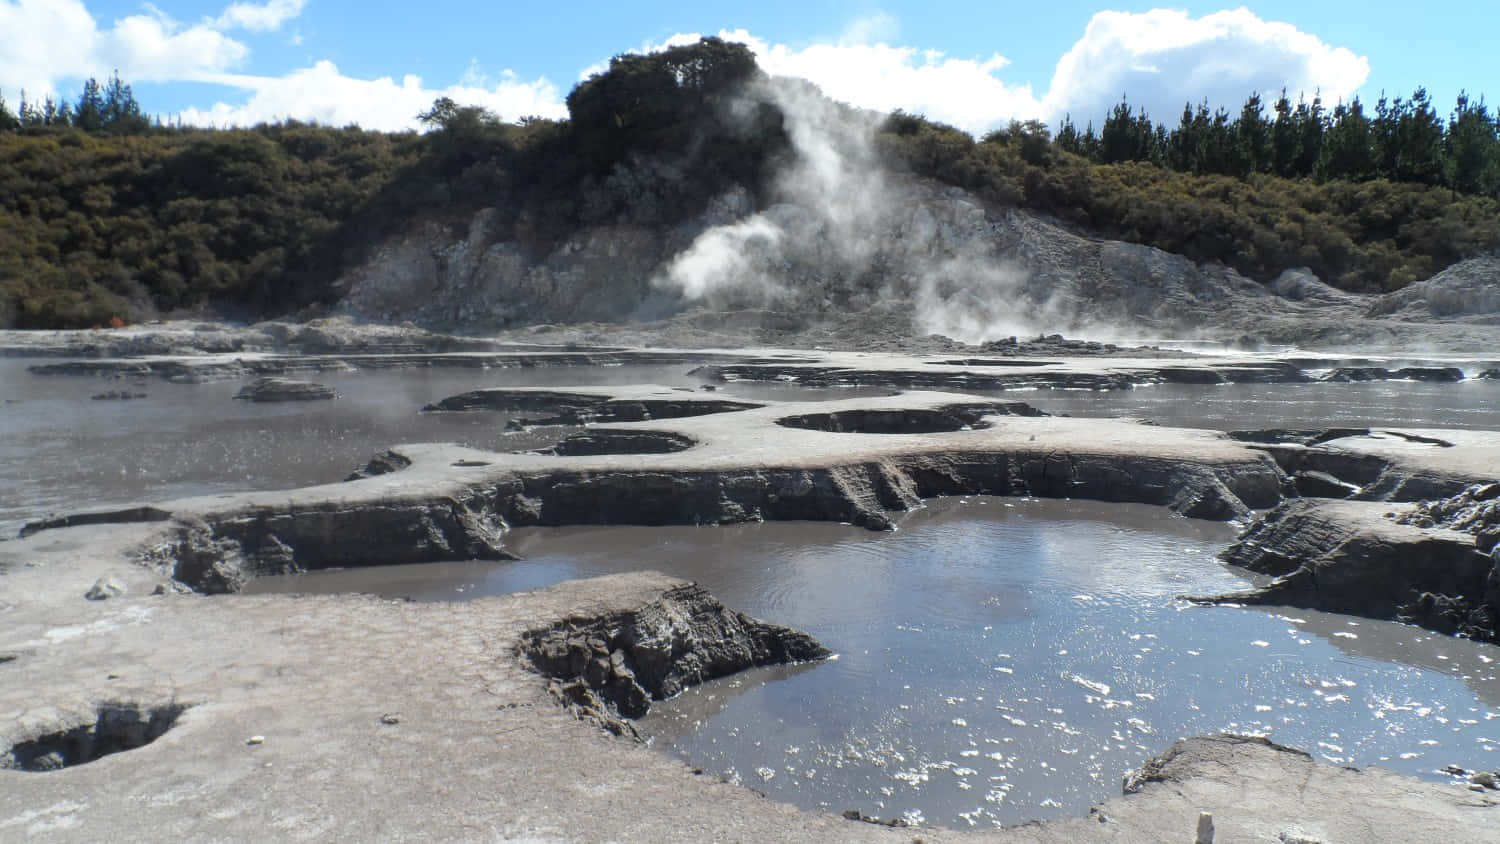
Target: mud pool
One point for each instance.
(62, 451)
(1003, 659)
(1472, 404)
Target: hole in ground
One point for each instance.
(987, 362)
(117, 726)
(613, 441)
(914, 421)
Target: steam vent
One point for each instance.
(707, 458)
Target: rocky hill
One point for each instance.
(930, 259)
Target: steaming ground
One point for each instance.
(842, 252)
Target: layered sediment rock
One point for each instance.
(1380, 464)
(586, 405)
(861, 461)
(284, 389)
(609, 667)
(1354, 557)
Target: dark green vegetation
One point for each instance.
(105, 216)
(1372, 235)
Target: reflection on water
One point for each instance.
(1004, 659)
(1469, 404)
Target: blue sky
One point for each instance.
(974, 64)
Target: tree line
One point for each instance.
(1401, 140)
(110, 108)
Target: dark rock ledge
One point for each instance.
(284, 389)
(608, 667)
(1360, 558)
(432, 502)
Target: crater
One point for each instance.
(953, 417)
(607, 441)
(987, 362)
(116, 727)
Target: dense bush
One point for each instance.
(1374, 235)
(99, 226)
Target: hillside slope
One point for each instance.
(929, 259)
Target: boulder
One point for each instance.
(103, 589)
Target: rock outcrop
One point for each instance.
(1468, 291)
(608, 668)
(1368, 559)
(284, 389)
(861, 461)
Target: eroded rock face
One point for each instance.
(608, 668)
(220, 556)
(1351, 557)
(284, 389)
(1476, 510)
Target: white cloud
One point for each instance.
(964, 92)
(324, 94)
(1161, 59)
(48, 41)
(1165, 58)
(266, 17)
(158, 49)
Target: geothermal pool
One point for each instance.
(61, 451)
(999, 660)
(1003, 659)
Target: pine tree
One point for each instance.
(1419, 142)
(1310, 123)
(1284, 140)
(1253, 138)
(122, 114)
(1473, 148)
(1183, 145)
(88, 115)
(1349, 145)
(1383, 134)
(9, 122)
(1068, 139)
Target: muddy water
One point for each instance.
(1004, 659)
(62, 452)
(1473, 404)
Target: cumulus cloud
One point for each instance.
(964, 92)
(1165, 58)
(47, 41)
(1161, 59)
(52, 41)
(323, 94)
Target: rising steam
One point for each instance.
(843, 233)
